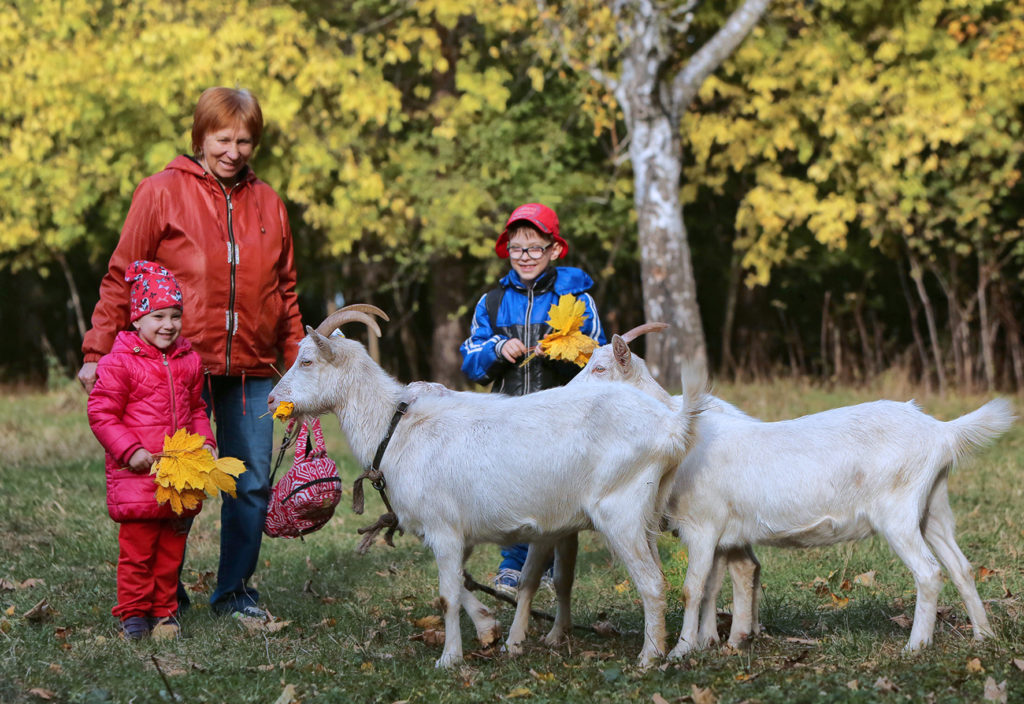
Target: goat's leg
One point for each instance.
(487, 629)
(702, 555)
(908, 543)
(622, 524)
(448, 552)
(536, 557)
(940, 534)
(565, 573)
(707, 633)
(745, 573)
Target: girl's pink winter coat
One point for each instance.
(141, 396)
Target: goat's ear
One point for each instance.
(321, 343)
(623, 357)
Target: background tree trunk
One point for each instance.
(448, 293)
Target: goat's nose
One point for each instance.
(270, 401)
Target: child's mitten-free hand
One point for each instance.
(140, 461)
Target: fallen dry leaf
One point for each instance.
(702, 696)
(432, 621)
(1019, 663)
(853, 684)
(430, 636)
(995, 692)
(542, 676)
(903, 621)
(658, 699)
(974, 666)
(287, 695)
(41, 693)
(984, 573)
(865, 579)
(884, 684)
(6, 585)
(605, 628)
(31, 582)
(518, 692)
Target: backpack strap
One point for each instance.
(493, 302)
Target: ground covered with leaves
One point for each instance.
(347, 628)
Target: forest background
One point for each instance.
(850, 185)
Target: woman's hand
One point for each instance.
(87, 376)
(141, 461)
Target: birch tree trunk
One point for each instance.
(653, 95)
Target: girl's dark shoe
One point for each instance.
(135, 627)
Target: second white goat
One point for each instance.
(840, 475)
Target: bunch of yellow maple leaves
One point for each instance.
(566, 340)
(186, 472)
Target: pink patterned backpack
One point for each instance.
(305, 498)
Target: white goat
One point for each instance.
(839, 475)
(464, 468)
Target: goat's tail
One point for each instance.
(693, 401)
(980, 426)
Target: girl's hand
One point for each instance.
(141, 461)
(212, 450)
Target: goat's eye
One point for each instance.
(599, 369)
(305, 362)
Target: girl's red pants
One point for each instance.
(147, 569)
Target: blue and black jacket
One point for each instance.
(522, 312)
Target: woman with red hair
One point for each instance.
(226, 236)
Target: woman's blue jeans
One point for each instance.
(248, 436)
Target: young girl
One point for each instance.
(148, 386)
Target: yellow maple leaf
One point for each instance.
(284, 410)
(186, 472)
(566, 340)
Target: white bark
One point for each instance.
(652, 105)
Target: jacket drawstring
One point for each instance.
(259, 210)
(209, 390)
(243, 392)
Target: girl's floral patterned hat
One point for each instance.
(153, 288)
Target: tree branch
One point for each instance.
(710, 56)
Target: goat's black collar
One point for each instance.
(399, 412)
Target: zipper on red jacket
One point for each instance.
(230, 323)
(170, 383)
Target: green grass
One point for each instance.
(352, 618)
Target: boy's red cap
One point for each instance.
(153, 288)
(540, 216)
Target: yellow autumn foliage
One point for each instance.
(566, 341)
(186, 472)
(284, 410)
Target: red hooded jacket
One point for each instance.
(141, 396)
(232, 254)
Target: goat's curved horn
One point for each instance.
(357, 312)
(642, 329)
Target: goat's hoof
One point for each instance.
(489, 636)
(680, 651)
(553, 639)
(512, 649)
(448, 660)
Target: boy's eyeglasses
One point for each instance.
(535, 252)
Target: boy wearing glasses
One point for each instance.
(510, 320)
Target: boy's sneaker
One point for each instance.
(547, 581)
(135, 628)
(507, 581)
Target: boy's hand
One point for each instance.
(212, 450)
(513, 349)
(141, 461)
